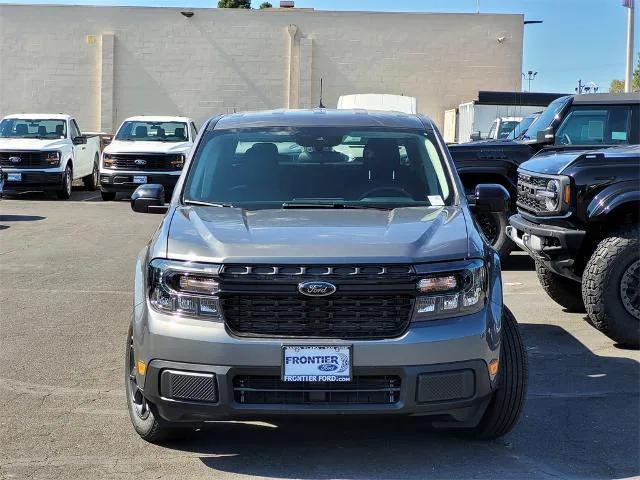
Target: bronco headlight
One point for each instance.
(448, 294)
(187, 289)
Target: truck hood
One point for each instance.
(120, 146)
(554, 162)
(32, 144)
(233, 235)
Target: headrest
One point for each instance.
(60, 129)
(22, 129)
(141, 131)
(42, 131)
(381, 154)
(179, 132)
(262, 152)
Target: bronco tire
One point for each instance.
(611, 287)
(564, 291)
(149, 426)
(494, 228)
(508, 399)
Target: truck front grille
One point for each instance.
(528, 185)
(259, 389)
(26, 160)
(144, 161)
(346, 316)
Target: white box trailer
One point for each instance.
(379, 101)
(474, 118)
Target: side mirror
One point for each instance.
(546, 136)
(475, 136)
(149, 198)
(490, 198)
(80, 140)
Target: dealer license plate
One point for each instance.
(140, 179)
(316, 363)
(14, 177)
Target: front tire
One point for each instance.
(564, 291)
(611, 287)
(508, 400)
(91, 182)
(67, 180)
(108, 196)
(494, 228)
(145, 422)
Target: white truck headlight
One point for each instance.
(183, 288)
(51, 158)
(448, 294)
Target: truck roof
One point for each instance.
(321, 117)
(606, 98)
(157, 118)
(41, 116)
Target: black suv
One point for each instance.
(497, 161)
(578, 217)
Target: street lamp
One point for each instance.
(531, 75)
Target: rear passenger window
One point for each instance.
(594, 125)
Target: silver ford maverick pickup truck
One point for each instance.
(319, 262)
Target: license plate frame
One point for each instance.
(296, 373)
(139, 179)
(14, 176)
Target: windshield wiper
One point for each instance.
(207, 204)
(293, 205)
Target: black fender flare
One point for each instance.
(611, 198)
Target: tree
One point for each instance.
(265, 5)
(234, 3)
(617, 86)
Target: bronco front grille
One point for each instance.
(528, 185)
(259, 389)
(353, 315)
(144, 161)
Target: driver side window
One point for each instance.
(594, 125)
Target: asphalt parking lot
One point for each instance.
(65, 287)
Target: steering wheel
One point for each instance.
(402, 191)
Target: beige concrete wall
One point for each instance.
(106, 63)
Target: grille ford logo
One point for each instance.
(15, 159)
(140, 161)
(316, 289)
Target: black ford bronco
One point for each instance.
(578, 217)
(577, 119)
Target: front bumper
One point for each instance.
(554, 246)
(33, 180)
(123, 181)
(452, 350)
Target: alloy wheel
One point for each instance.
(630, 289)
(137, 400)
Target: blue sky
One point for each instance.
(579, 39)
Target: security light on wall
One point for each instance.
(187, 14)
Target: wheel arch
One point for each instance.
(614, 202)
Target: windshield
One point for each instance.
(506, 128)
(522, 127)
(153, 132)
(546, 118)
(31, 128)
(322, 167)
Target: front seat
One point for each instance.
(381, 160)
(141, 131)
(259, 170)
(42, 131)
(22, 129)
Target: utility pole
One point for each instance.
(628, 77)
(531, 75)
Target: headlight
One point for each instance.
(552, 199)
(52, 158)
(107, 160)
(178, 161)
(451, 294)
(555, 197)
(187, 289)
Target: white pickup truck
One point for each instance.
(47, 152)
(146, 149)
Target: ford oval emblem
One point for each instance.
(316, 289)
(327, 367)
(15, 159)
(140, 161)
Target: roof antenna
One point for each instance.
(321, 105)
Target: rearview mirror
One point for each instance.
(149, 198)
(80, 140)
(475, 136)
(490, 198)
(545, 136)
